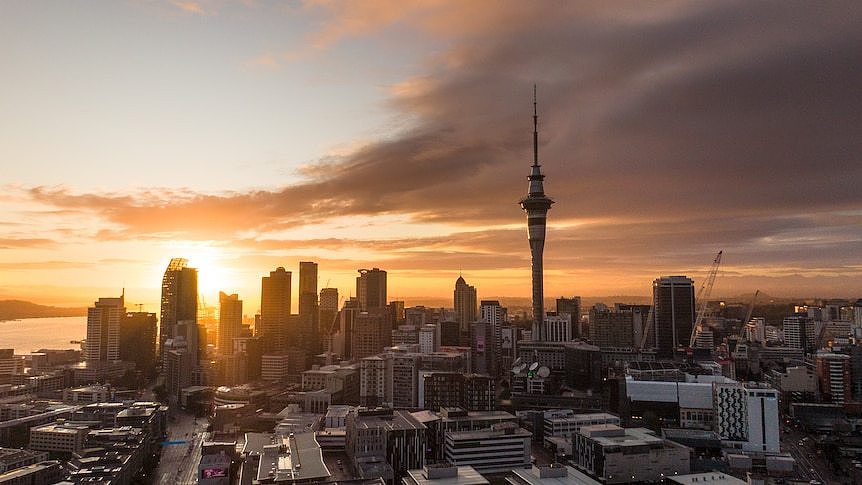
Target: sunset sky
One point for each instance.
(246, 135)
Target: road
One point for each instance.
(811, 465)
(179, 463)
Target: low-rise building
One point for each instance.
(43, 473)
(501, 448)
(623, 455)
(444, 474)
(59, 437)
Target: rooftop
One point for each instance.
(445, 474)
(540, 475)
(709, 478)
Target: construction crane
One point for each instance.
(647, 329)
(749, 314)
(702, 299)
(331, 334)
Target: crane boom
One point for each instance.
(647, 329)
(749, 314)
(703, 298)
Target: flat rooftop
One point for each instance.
(708, 478)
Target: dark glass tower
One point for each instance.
(536, 205)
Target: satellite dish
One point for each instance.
(517, 362)
(544, 372)
(534, 366)
(519, 368)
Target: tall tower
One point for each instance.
(536, 205)
(179, 298)
(308, 306)
(229, 321)
(674, 313)
(275, 311)
(465, 304)
(371, 288)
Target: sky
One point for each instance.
(247, 135)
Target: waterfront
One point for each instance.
(31, 334)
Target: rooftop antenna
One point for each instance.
(535, 130)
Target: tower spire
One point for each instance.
(535, 130)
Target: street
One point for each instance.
(179, 462)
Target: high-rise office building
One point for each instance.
(572, 307)
(103, 331)
(138, 341)
(536, 205)
(327, 314)
(179, 297)
(371, 288)
(372, 330)
(275, 310)
(229, 321)
(799, 332)
(673, 300)
(833, 373)
(308, 307)
(465, 304)
(611, 329)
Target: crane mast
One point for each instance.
(702, 299)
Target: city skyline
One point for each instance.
(666, 136)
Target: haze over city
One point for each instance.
(250, 135)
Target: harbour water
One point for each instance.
(31, 334)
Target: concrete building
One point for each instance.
(799, 333)
(429, 338)
(294, 458)
(501, 448)
(42, 473)
(611, 329)
(746, 417)
(833, 373)
(58, 437)
(624, 455)
(103, 331)
(12, 458)
(371, 332)
(572, 308)
(565, 422)
(554, 474)
(557, 328)
(394, 440)
(444, 474)
(472, 392)
(373, 381)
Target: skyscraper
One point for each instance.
(179, 298)
(371, 288)
(138, 341)
(308, 312)
(465, 304)
(275, 310)
(673, 300)
(536, 205)
(229, 321)
(327, 312)
(103, 331)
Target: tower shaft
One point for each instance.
(536, 205)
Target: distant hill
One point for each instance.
(15, 309)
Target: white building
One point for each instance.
(799, 332)
(58, 436)
(103, 331)
(565, 422)
(429, 338)
(557, 328)
(501, 448)
(746, 416)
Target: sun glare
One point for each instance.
(213, 276)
